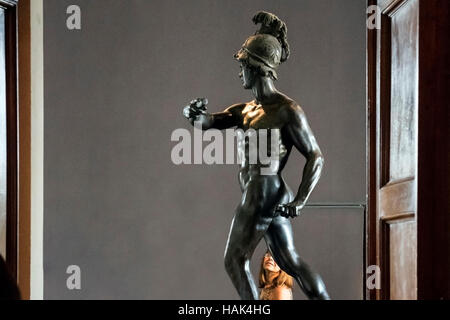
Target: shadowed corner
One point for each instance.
(8, 287)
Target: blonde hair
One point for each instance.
(283, 279)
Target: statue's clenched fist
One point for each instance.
(195, 108)
(290, 210)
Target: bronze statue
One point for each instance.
(267, 202)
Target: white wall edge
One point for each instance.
(37, 150)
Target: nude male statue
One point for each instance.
(267, 202)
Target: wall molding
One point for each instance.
(31, 104)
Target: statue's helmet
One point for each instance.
(268, 48)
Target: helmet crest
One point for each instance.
(268, 48)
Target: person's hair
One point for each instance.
(283, 278)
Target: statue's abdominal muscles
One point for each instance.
(260, 152)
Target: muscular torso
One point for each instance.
(262, 117)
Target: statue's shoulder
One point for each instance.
(291, 109)
(240, 105)
(236, 109)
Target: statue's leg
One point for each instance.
(280, 241)
(247, 229)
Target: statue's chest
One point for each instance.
(256, 117)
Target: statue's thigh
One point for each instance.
(247, 229)
(280, 241)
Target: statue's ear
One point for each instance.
(273, 75)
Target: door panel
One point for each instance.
(408, 205)
(3, 137)
(400, 261)
(397, 186)
(404, 88)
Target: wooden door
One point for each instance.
(394, 96)
(8, 134)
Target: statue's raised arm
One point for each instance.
(196, 112)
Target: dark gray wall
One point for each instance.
(141, 227)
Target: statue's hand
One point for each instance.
(290, 210)
(195, 108)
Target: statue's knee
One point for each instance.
(228, 261)
(234, 260)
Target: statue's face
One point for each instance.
(247, 76)
(269, 264)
